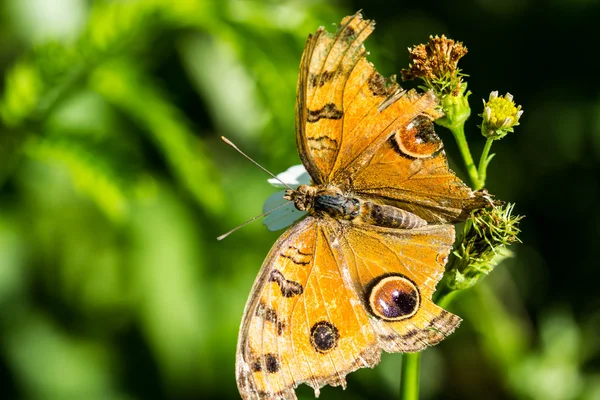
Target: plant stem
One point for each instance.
(409, 376)
(444, 298)
(483, 163)
(459, 135)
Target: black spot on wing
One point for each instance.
(270, 315)
(288, 287)
(269, 362)
(256, 366)
(297, 250)
(320, 79)
(348, 33)
(377, 84)
(294, 260)
(272, 363)
(323, 143)
(393, 297)
(328, 111)
(294, 254)
(324, 336)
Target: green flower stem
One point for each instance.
(409, 376)
(483, 163)
(444, 298)
(457, 112)
(459, 135)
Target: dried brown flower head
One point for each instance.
(436, 63)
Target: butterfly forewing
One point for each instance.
(328, 62)
(410, 171)
(357, 130)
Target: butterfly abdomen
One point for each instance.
(330, 201)
(389, 216)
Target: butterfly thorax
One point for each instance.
(330, 201)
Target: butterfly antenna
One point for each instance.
(223, 236)
(255, 163)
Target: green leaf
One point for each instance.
(128, 88)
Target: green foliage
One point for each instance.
(482, 245)
(91, 175)
(111, 189)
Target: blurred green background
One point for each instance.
(114, 185)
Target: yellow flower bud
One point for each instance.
(500, 115)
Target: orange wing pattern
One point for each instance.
(308, 320)
(410, 171)
(361, 132)
(343, 104)
(303, 322)
(416, 257)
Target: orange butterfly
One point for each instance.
(356, 275)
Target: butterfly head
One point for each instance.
(303, 197)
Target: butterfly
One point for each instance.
(356, 275)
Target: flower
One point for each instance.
(500, 115)
(436, 63)
(285, 213)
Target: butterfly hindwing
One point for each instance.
(303, 323)
(311, 319)
(396, 272)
